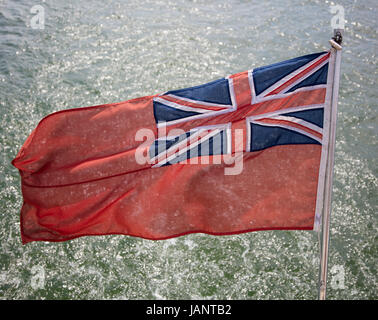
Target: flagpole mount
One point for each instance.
(337, 39)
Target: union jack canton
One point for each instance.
(278, 104)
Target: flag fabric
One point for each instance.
(239, 154)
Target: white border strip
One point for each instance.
(288, 110)
(232, 92)
(287, 94)
(196, 117)
(252, 86)
(300, 122)
(289, 128)
(291, 75)
(306, 76)
(191, 146)
(181, 107)
(209, 104)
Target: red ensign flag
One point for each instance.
(238, 154)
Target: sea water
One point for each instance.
(56, 55)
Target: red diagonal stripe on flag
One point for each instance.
(291, 124)
(298, 76)
(191, 104)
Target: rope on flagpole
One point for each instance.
(336, 52)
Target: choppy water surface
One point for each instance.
(96, 52)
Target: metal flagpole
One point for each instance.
(336, 53)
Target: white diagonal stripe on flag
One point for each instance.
(290, 76)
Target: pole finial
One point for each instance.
(337, 37)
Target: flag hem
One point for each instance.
(25, 241)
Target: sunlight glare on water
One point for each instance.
(97, 52)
